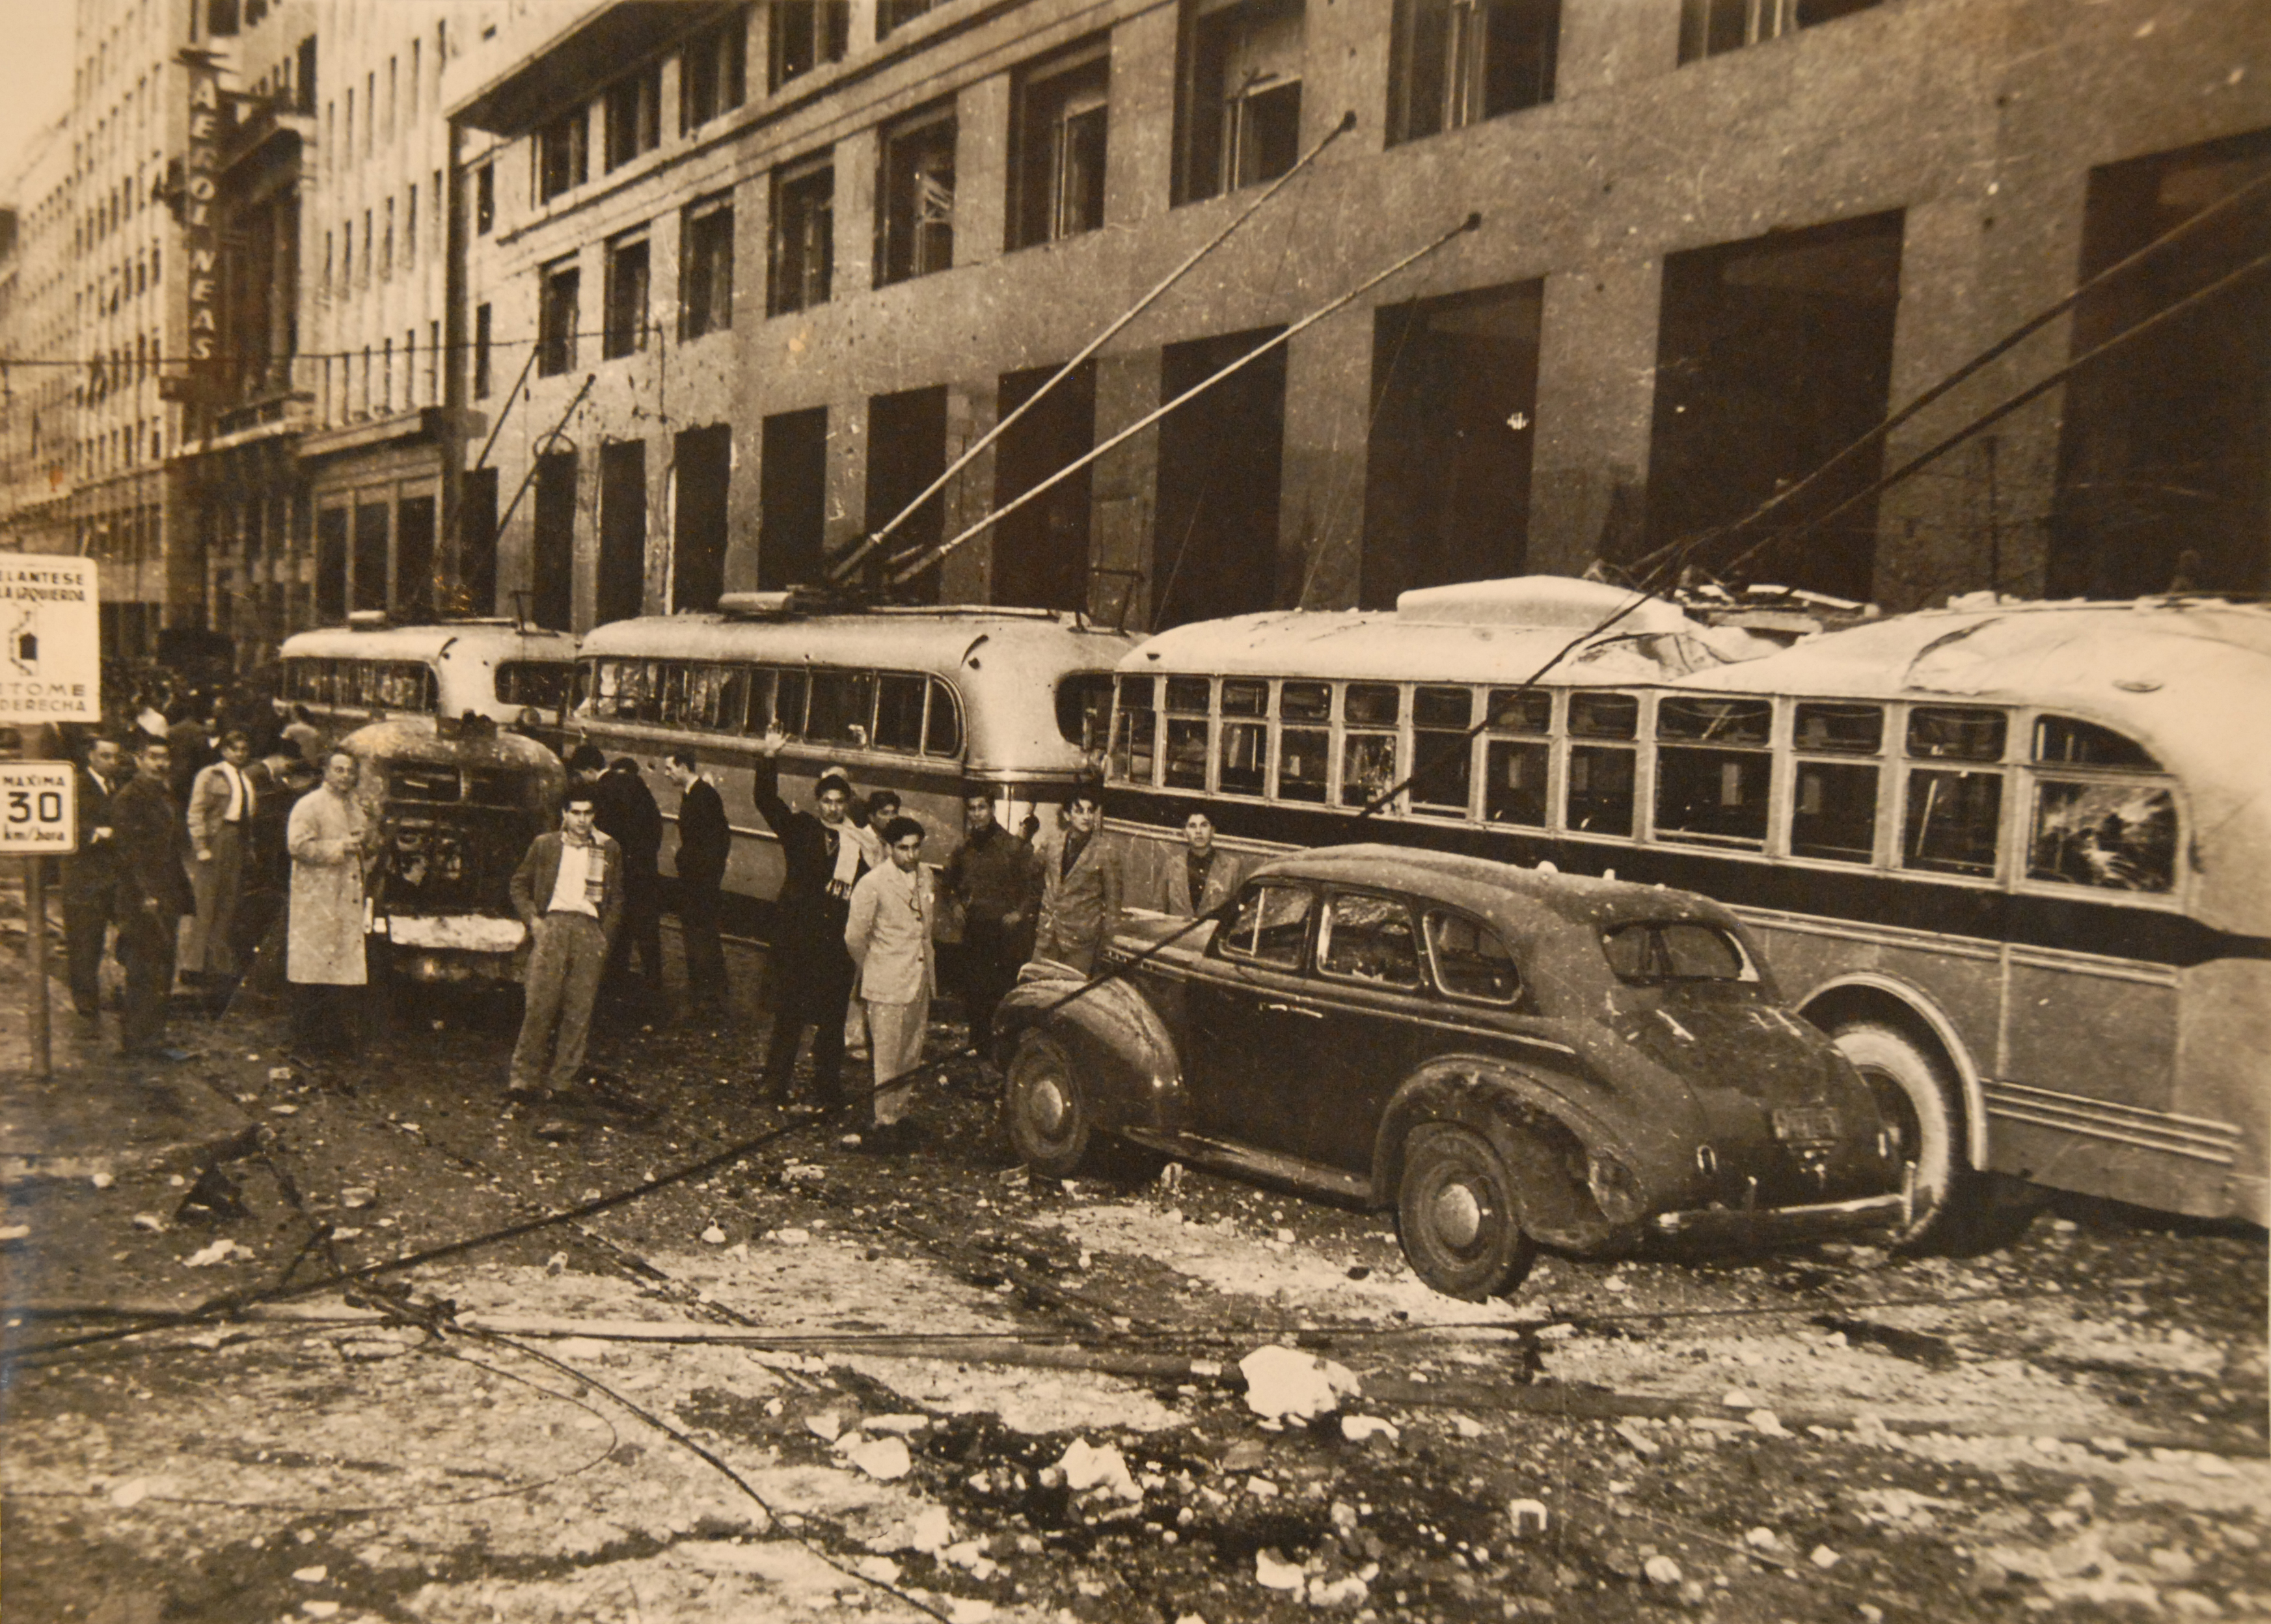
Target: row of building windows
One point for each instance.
(378, 257)
(705, 302)
(713, 80)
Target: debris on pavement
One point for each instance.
(1282, 1382)
(218, 1252)
(1086, 1467)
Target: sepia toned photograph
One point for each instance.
(1135, 811)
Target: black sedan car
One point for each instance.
(1508, 1057)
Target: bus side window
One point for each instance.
(713, 697)
(899, 713)
(1443, 756)
(1368, 768)
(1135, 729)
(943, 727)
(2107, 829)
(1243, 767)
(843, 707)
(1833, 815)
(1601, 776)
(790, 690)
(1515, 791)
(1952, 818)
(1712, 769)
(1303, 753)
(1186, 760)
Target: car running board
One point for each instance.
(1228, 1156)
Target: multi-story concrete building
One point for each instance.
(39, 436)
(776, 265)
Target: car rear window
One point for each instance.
(1648, 953)
(1368, 938)
(1272, 926)
(1470, 961)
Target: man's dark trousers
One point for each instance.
(145, 950)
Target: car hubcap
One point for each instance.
(1458, 1215)
(1045, 1104)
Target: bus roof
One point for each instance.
(939, 640)
(429, 644)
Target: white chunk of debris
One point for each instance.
(713, 1236)
(1086, 1467)
(1630, 1431)
(1282, 1382)
(311, 1576)
(824, 1424)
(789, 1237)
(133, 1492)
(1821, 1556)
(1741, 1398)
(1768, 1422)
(1272, 1572)
(968, 1610)
(1357, 1428)
(1347, 1591)
(933, 1531)
(1661, 1570)
(218, 1252)
(101, 1181)
(150, 1221)
(881, 1458)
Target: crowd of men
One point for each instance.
(271, 839)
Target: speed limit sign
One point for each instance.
(38, 808)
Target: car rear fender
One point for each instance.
(1119, 1048)
(1546, 1138)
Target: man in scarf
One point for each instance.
(569, 891)
(808, 968)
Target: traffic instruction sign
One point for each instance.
(38, 814)
(51, 640)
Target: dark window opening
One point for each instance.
(1937, 733)
(1858, 729)
(703, 459)
(1238, 104)
(332, 564)
(805, 33)
(368, 590)
(1459, 62)
(1833, 815)
(714, 72)
(1513, 788)
(1220, 473)
(1447, 473)
(2165, 452)
(483, 382)
(705, 273)
(477, 541)
(222, 16)
(2111, 836)
(1772, 355)
(556, 316)
(1600, 790)
(1953, 821)
(793, 496)
(1707, 27)
(625, 329)
(907, 450)
(621, 588)
(1648, 955)
(1056, 146)
(563, 154)
(1470, 961)
(915, 212)
(2075, 743)
(1367, 938)
(633, 116)
(804, 234)
(484, 200)
(899, 713)
(413, 559)
(1040, 551)
(552, 558)
(1083, 705)
(891, 14)
(1272, 926)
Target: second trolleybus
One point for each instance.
(2015, 857)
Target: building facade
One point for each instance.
(768, 269)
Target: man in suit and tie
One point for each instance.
(704, 840)
(222, 801)
(1207, 877)
(91, 875)
(152, 893)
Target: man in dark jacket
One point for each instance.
(997, 880)
(629, 814)
(569, 891)
(704, 838)
(91, 877)
(152, 892)
(810, 969)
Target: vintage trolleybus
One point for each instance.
(923, 701)
(2015, 857)
(368, 671)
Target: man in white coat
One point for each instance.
(330, 840)
(888, 935)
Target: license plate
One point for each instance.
(1807, 1124)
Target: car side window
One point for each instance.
(1470, 961)
(1368, 938)
(1648, 953)
(1272, 926)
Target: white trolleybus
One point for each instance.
(369, 670)
(931, 702)
(2017, 857)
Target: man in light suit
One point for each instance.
(220, 811)
(1080, 887)
(1207, 877)
(887, 933)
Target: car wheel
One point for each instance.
(1920, 1101)
(1456, 1214)
(1047, 1119)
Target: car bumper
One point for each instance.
(1769, 1225)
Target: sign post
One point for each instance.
(50, 672)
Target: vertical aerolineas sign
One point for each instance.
(200, 235)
